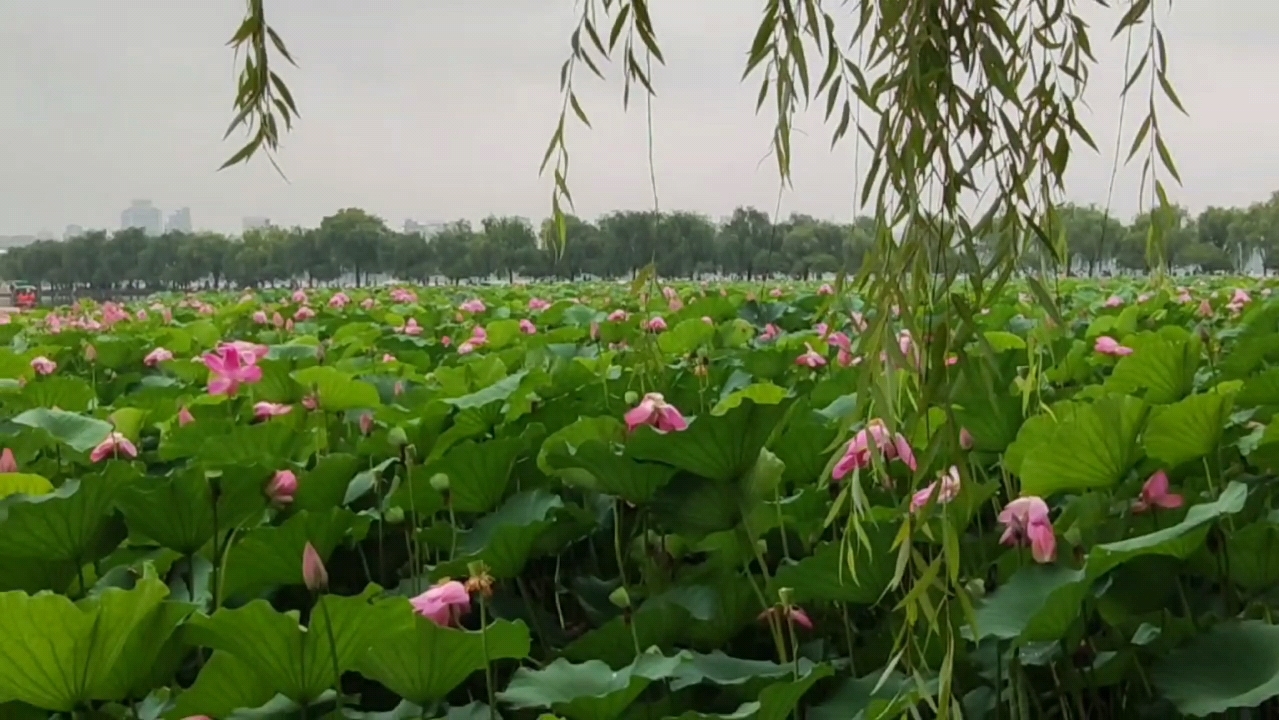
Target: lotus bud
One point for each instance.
(366, 424)
(620, 598)
(90, 353)
(976, 587)
(393, 516)
(786, 596)
(313, 572)
(631, 397)
(440, 482)
(397, 437)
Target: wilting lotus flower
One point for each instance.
(826, 289)
(229, 367)
(412, 328)
(537, 304)
(527, 327)
(339, 300)
(810, 358)
(443, 604)
(595, 331)
(8, 464)
(770, 333)
(303, 313)
(43, 365)
(875, 437)
(1154, 493)
(1114, 301)
(185, 417)
(157, 356)
(314, 575)
(654, 410)
(114, 445)
(1026, 522)
(795, 614)
(946, 486)
(656, 324)
(265, 410)
(282, 488)
(474, 305)
(1107, 345)
(260, 317)
(299, 296)
(618, 315)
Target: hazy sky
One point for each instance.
(439, 110)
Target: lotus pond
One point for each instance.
(607, 502)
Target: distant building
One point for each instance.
(72, 231)
(9, 241)
(179, 221)
(426, 230)
(45, 235)
(256, 222)
(142, 214)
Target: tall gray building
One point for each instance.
(179, 221)
(142, 214)
(72, 231)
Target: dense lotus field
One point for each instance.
(599, 502)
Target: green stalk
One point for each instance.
(488, 665)
(333, 652)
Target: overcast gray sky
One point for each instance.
(440, 109)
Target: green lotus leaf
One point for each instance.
(1092, 449)
(268, 556)
(1188, 429)
(1233, 665)
(78, 432)
(336, 390)
(587, 691)
(719, 448)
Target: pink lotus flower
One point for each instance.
(826, 289)
(965, 439)
(1205, 308)
(654, 410)
(1143, 298)
(339, 300)
(368, 303)
(618, 315)
(142, 315)
(537, 304)
(366, 424)
(260, 317)
(229, 367)
(8, 464)
(303, 313)
(43, 365)
(770, 333)
(810, 358)
(444, 604)
(822, 330)
(446, 341)
(474, 305)
(466, 348)
(527, 327)
(794, 613)
(247, 348)
(112, 314)
(874, 438)
(479, 336)
(656, 324)
(412, 328)
(311, 402)
(314, 576)
(265, 410)
(1107, 345)
(185, 417)
(670, 293)
(775, 292)
(1154, 493)
(157, 356)
(1183, 296)
(5, 319)
(388, 358)
(277, 320)
(282, 488)
(299, 296)
(1114, 301)
(114, 445)
(946, 486)
(1026, 522)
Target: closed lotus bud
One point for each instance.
(397, 437)
(394, 516)
(313, 572)
(366, 424)
(440, 482)
(631, 397)
(90, 353)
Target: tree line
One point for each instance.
(353, 245)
